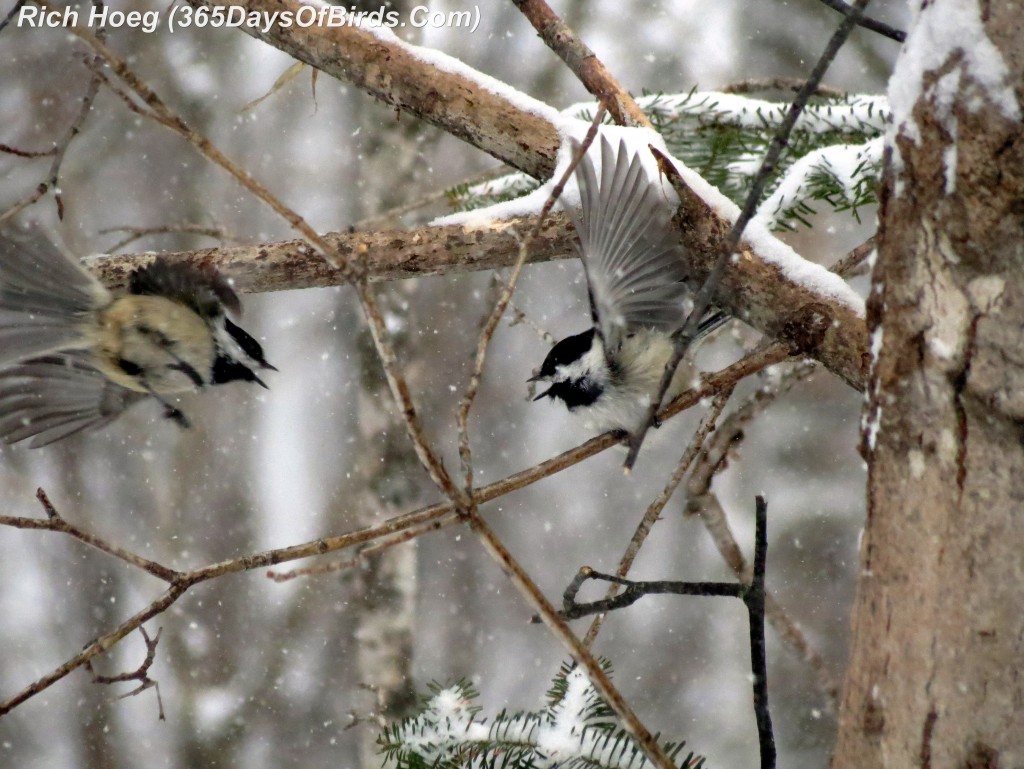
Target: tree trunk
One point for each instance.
(936, 676)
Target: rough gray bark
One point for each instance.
(936, 676)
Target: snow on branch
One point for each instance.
(436, 88)
(723, 136)
(844, 175)
(513, 128)
(853, 114)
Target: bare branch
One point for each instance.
(361, 557)
(794, 84)
(156, 109)
(403, 397)
(52, 179)
(11, 14)
(751, 592)
(635, 590)
(867, 22)
(391, 217)
(137, 233)
(55, 522)
(8, 149)
(583, 62)
(97, 647)
(141, 674)
(520, 316)
(653, 513)
(428, 519)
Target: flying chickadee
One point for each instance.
(74, 356)
(635, 275)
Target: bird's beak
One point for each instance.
(260, 382)
(264, 364)
(546, 392)
(535, 378)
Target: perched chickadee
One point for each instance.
(74, 356)
(636, 276)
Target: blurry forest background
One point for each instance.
(255, 673)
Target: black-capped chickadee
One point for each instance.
(74, 356)
(636, 277)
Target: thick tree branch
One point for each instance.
(394, 72)
(389, 255)
(560, 38)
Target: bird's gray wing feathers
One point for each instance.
(631, 254)
(55, 396)
(44, 296)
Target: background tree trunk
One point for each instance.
(936, 676)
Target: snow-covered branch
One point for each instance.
(525, 133)
(433, 87)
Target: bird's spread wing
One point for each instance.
(55, 396)
(44, 296)
(630, 252)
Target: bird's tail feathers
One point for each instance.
(45, 296)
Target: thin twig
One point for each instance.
(11, 14)
(29, 154)
(156, 109)
(392, 216)
(653, 513)
(137, 233)
(635, 590)
(55, 522)
(847, 265)
(563, 40)
(702, 299)
(757, 84)
(52, 178)
(360, 557)
(141, 674)
(557, 625)
(752, 594)
(399, 388)
(868, 23)
(96, 647)
(754, 598)
(487, 333)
